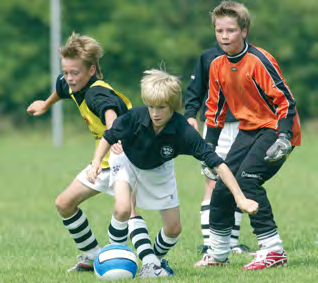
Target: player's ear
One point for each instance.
(92, 70)
(244, 33)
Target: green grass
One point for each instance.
(35, 247)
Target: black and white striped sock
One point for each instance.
(163, 244)
(139, 236)
(118, 231)
(234, 240)
(205, 230)
(80, 231)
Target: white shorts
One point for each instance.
(226, 139)
(102, 182)
(156, 189)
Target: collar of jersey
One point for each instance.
(168, 128)
(238, 57)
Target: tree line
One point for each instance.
(140, 34)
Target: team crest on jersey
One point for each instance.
(166, 151)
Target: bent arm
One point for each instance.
(246, 205)
(110, 116)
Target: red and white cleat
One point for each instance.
(209, 260)
(266, 259)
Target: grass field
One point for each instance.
(35, 247)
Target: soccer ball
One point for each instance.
(114, 262)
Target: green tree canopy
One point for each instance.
(139, 34)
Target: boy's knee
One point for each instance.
(173, 231)
(122, 213)
(65, 207)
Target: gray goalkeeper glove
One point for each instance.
(209, 172)
(281, 148)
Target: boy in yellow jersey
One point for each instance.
(99, 105)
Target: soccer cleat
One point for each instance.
(151, 270)
(239, 249)
(84, 264)
(209, 260)
(266, 259)
(202, 249)
(166, 267)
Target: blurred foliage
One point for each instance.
(141, 34)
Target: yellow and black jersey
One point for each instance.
(93, 101)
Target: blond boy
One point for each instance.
(151, 136)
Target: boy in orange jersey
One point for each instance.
(248, 81)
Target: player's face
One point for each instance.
(76, 73)
(160, 115)
(229, 35)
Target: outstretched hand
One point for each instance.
(37, 108)
(248, 206)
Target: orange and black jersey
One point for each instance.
(197, 91)
(252, 86)
(93, 101)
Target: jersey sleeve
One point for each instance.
(62, 88)
(196, 90)
(100, 99)
(270, 78)
(122, 128)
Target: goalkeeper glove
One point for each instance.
(281, 148)
(209, 172)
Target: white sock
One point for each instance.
(220, 244)
(270, 241)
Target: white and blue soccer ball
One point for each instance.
(115, 261)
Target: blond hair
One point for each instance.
(86, 48)
(158, 87)
(235, 10)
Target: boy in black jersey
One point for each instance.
(151, 137)
(99, 105)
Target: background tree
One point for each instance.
(140, 34)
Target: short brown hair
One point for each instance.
(234, 10)
(86, 48)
